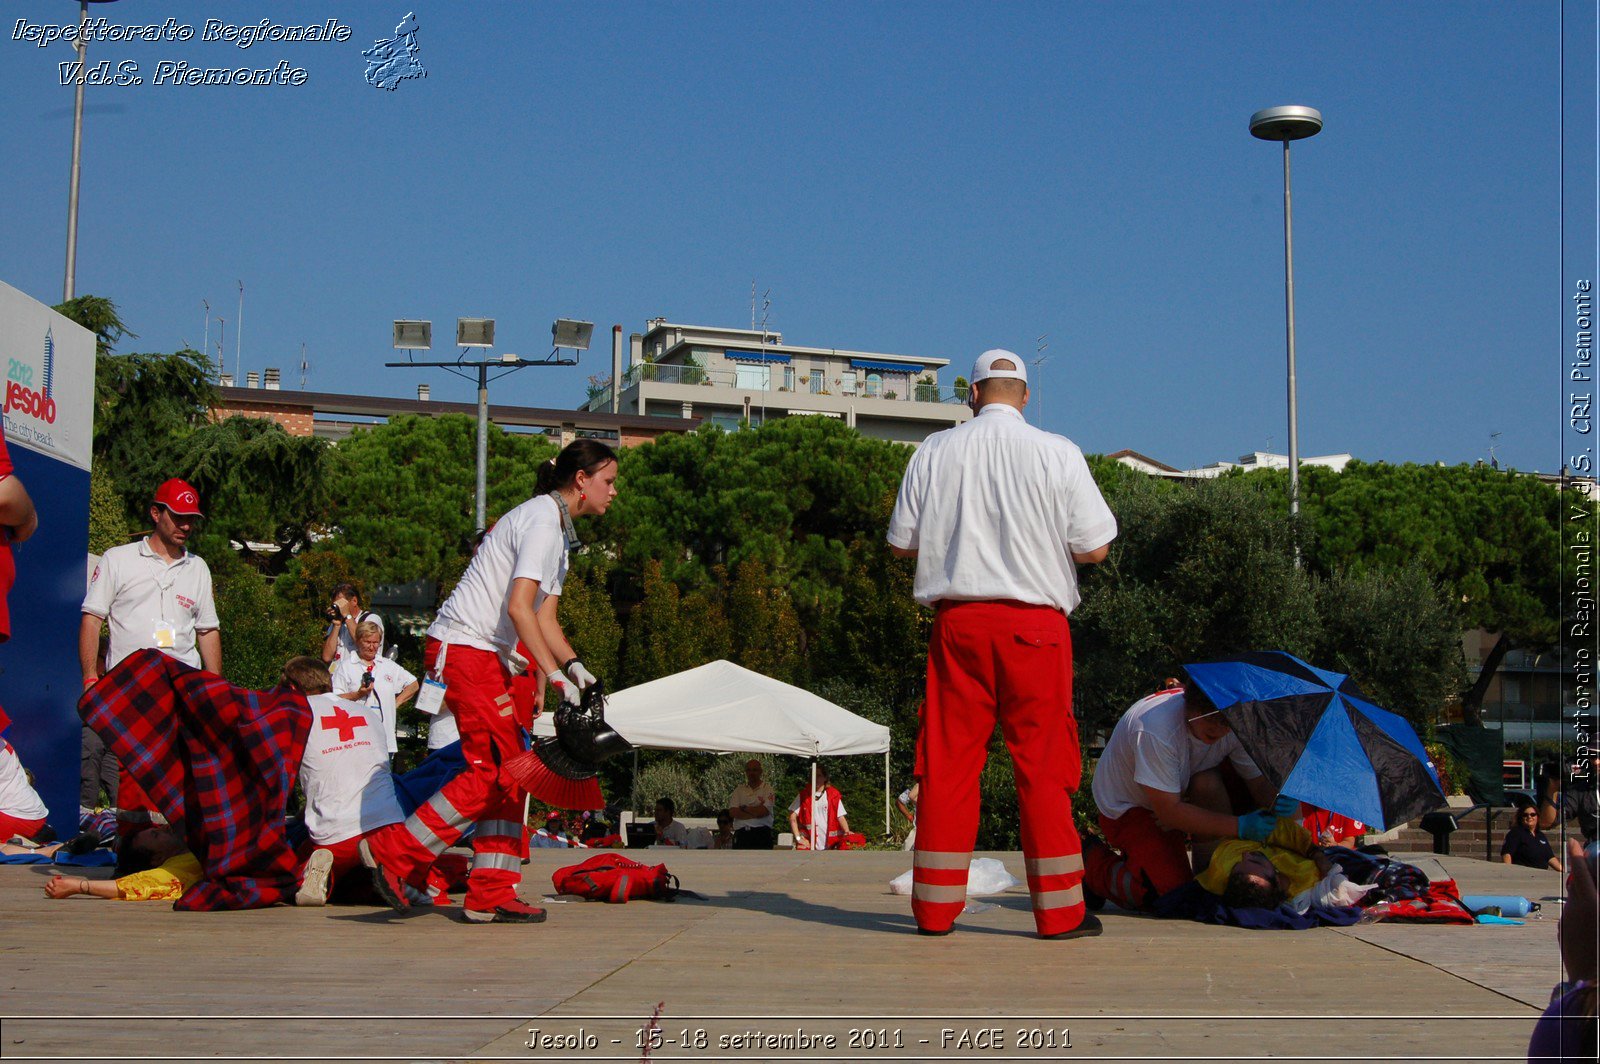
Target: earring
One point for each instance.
(582, 496)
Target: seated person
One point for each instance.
(819, 824)
(22, 811)
(722, 838)
(1525, 844)
(1264, 875)
(162, 869)
(344, 773)
(668, 831)
(751, 805)
(1158, 784)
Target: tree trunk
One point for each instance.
(1472, 701)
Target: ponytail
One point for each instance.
(584, 455)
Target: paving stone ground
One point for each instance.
(786, 951)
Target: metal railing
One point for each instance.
(671, 373)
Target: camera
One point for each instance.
(366, 678)
(332, 613)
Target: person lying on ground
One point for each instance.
(1263, 875)
(164, 870)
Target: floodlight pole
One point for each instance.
(69, 284)
(483, 366)
(1286, 124)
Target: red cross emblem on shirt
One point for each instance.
(343, 723)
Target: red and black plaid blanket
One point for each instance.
(216, 760)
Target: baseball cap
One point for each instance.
(179, 498)
(984, 369)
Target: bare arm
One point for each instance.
(67, 886)
(89, 646)
(527, 623)
(330, 645)
(801, 841)
(1092, 557)
(902, 552)
(16, 509)
(1172, 812)
(550, 625)
(407, 693)
(210, 644)
(1505, 858)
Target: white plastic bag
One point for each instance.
(984, 876)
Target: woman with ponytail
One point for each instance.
(508, 595)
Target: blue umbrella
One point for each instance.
(1317, 738)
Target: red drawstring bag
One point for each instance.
(613, 878)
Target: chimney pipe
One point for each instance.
(616, 368)
(424, 392)
(273, 380)
(252, 379)
(225, 380)
(635, 350)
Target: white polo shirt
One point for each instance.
(526, 543)
(995, 508)
(345, 773)
(150, 602)
(388, 680)
(1152, 745)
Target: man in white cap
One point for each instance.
(152, 593)
(998, 515)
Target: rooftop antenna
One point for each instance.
(222, 332)
(1043, 342)
(207, 348)
(238, 338)
(1494, 463)
(766, 309)
(304, 365)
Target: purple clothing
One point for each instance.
(1565, 1032)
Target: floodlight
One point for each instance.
(474, 332)
(509, 357)
(413, 335)
(574, 334)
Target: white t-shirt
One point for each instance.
(388, 680)
(347, 645)
(525, 544)
(995, 508)
(744, 794)
(345, 773)
(151, 602)
(17, 796)
(819, 817)
(674, 834)
(1152, 745)
(442, 729)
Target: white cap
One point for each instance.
(984, 369)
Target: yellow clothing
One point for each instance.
(166, 883)
(1286, 848)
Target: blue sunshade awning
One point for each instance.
(884, 367)
(755, 356)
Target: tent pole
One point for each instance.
(887, 827)
(811, 797)
(633, 788)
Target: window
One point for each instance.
(874, 384)
(756, 378)
(788, 377)
(847, 382)
(818, 385)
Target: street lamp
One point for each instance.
(412, 335)
(68, 286)
(1287, 124)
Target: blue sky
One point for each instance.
(928, 179)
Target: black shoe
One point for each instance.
(1090, 928)
(515, 911)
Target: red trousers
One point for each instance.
(1152, 861)
(10, 825)
(1010, 663)
(478, 692)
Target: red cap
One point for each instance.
(178, 497)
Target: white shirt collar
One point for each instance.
(1000, 408)
(146, 550)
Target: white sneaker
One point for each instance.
(318, 877)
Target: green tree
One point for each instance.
(98, 315)
(590, 621)
(1491, 539)
(766, 632)
(403, 492)
(146, 407)
(108, 519)
(656, 640)
(260, 485)
(258, 636)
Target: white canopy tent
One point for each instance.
(723, 708)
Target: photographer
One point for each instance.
(1569, 793)
(343, 614)
(369, 679)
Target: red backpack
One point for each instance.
(610, 877)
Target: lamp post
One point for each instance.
(1286, 124)
(479, 332)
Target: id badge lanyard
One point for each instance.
(430, 699)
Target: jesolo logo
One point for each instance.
(26, 396)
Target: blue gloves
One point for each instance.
(1286, 807)
(1257, 826)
